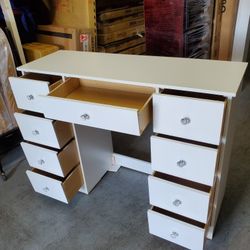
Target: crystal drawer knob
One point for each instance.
(185, 120)
(35, 132)
(46, 189)
(177, 203)
(30, 97)
(174, 235)
(41, 162)
(85, 117)
(181, 163)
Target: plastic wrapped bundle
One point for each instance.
(198, 28)
(7, 102)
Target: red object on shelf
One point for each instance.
(164, 24)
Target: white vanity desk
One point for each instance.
(191, 103)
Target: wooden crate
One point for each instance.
(124, 23)
(104, 39)
(121, 45)
(119, 13)
(137, 50)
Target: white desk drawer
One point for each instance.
(190, 118)
(44, 131)
(179, 199)
(62, 189)
(58, 163)
(177, 231)
(28, 88)
(115, 107)
(184, 160)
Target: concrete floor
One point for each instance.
(113, 216)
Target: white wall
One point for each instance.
(242, 32)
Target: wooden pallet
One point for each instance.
(118, 13)
(137, 50)
(125, 23)
(104, 39)
(121, 45)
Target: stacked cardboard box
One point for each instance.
(66, 37)
(35, 50)
(121, 30)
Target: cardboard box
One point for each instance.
(66, 37)
(34, 51)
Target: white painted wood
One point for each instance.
(131, 163)
(37, 129)
(224, 161)
(242, 30)
(11, 24)
(42, 158)
(109, 117)
(197, 75)
(95, 152)
(27, 91)
(176, 231)
(47, 186)
(199, 161)
(179, 199)
(50, 160)
(205, 117)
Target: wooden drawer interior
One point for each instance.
(184, 182)
(119, 95)
(41, 77)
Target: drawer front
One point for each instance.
(176, 231)
(27, 91)
(50, 160)
(179, 199)
(59, 189)
(93, 115)
(190, 118)
(184, 160)
(43, 131)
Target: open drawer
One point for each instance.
(27, 89)
(50, 160)
(62, 189)
(180, 196)
(177, 229)
(116, 107)
(44, 131)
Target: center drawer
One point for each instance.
(50, 160)
(62, 189)
(116, 107)
(44, 131)
(181, 199)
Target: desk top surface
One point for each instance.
(196, 75)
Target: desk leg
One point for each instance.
(95, 152)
